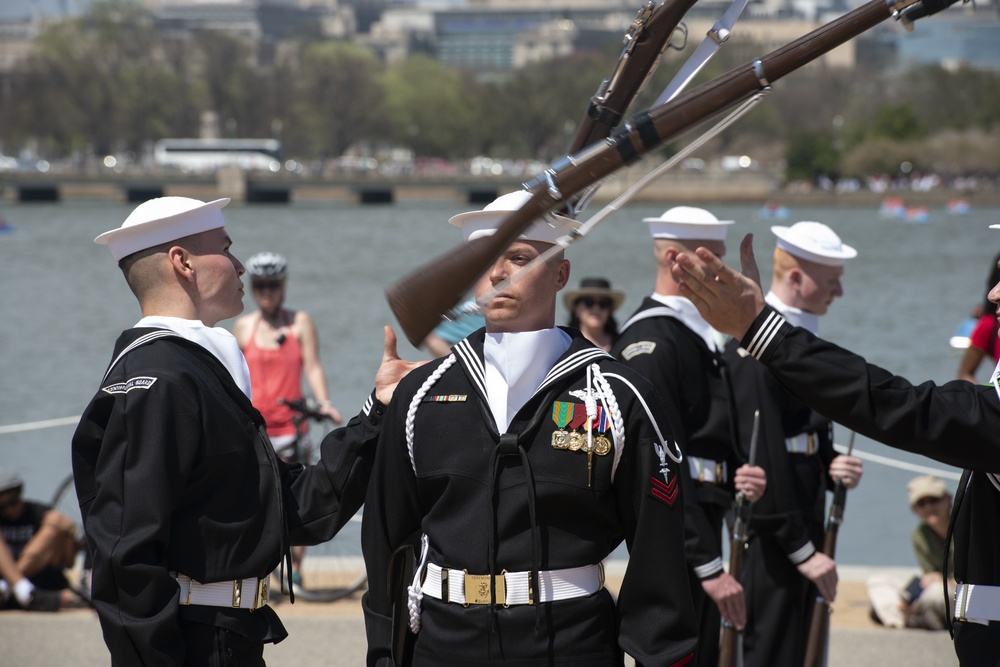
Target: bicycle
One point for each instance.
(336, 569)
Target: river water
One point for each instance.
(64, 303)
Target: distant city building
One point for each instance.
(952, 39)
(496, 36)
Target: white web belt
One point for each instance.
(239, 594)
(512, 587)
(977, 603)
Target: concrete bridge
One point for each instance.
(258, 187)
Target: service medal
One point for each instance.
(560, 440)
(575, 441)
(601, 445)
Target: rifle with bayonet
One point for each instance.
(420, 298)
(819, 625)
(731, 644)
(645, 41)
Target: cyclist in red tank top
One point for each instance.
(281, 346)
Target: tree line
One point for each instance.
(110, 82)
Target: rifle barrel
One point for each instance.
(419, 298)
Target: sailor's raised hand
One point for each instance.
(728, 300)
(392, 370)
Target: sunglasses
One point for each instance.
(266, 284)
(927, 500)
(590, 302)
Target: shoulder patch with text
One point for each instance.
(635, 349)
(141, 382)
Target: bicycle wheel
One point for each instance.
(64, 500)
(334, 570)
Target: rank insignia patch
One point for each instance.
(447, 398)
(125, 387)
(635, 349)
(664, 492)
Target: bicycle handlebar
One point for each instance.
(305, 408)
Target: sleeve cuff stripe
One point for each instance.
(765, 334)
(803, 554)
(367, 407)
(709, 568)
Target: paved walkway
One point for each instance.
(332, 635)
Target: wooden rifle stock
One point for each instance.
(730, 644)
(420, 298)
(819, 624)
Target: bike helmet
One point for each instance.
(267, 265)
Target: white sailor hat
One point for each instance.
(161, 220)
(687, 222)
(548, 228)
(814, 242)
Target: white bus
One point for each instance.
(210, 154)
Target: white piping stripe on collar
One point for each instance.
(141, 340)
(572, 362)
(464, 352)
(658, 311)
(468, 357)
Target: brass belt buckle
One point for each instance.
(719, 473)
(477, 589)
(237, 593)
(262, 593)
(187, 601)
(810, 444)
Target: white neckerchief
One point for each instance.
(516, 364)
(798, 318)
(692, 319)
(216, 340)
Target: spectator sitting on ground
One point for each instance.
(924, 607)
(36, 544)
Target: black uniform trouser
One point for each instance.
(977, 645)
(212, 646)
(779, 606)
(706, 611)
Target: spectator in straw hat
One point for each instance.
(592, 309)
(919, 602)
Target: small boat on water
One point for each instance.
(960, 339)
(959, 206)
(892, 207)
(772, 210)
(918, 214)
(5, 227)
